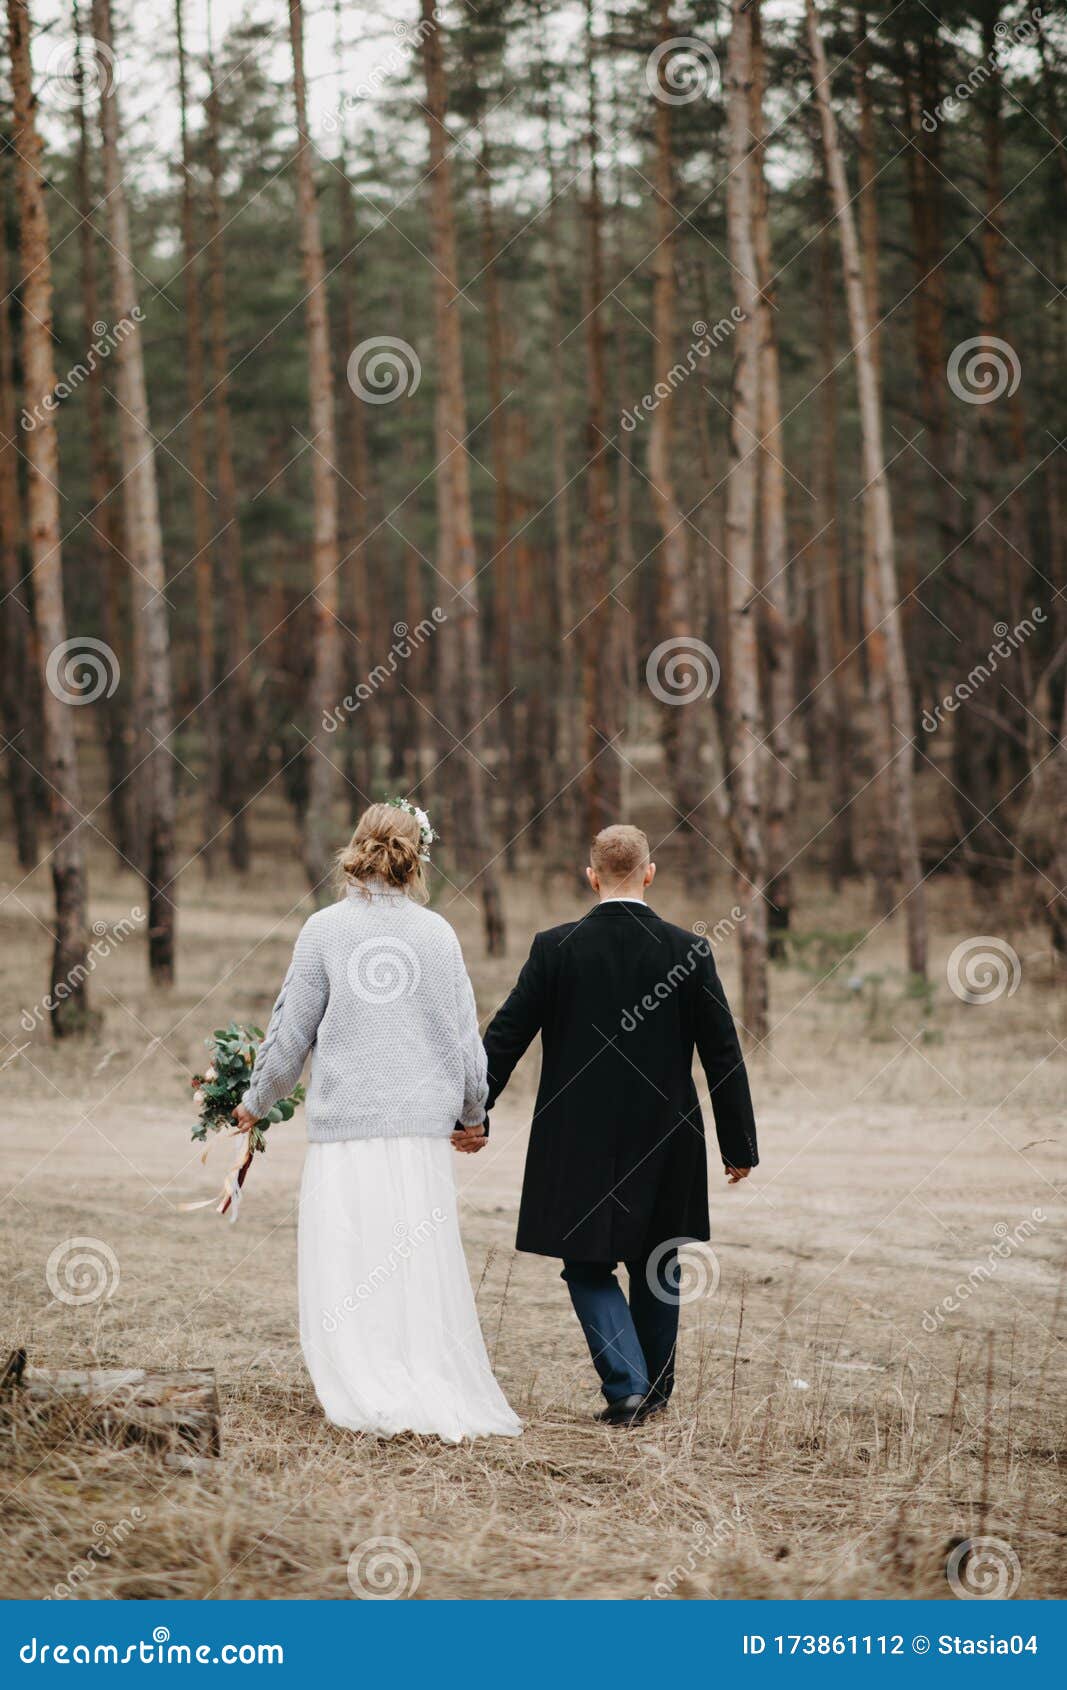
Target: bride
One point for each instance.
(378, 993)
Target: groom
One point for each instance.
(616, 1168)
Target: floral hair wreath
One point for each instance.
(427, 832)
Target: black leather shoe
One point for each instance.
(626, 1411)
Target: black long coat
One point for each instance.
(616, 1161)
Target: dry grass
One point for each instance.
(823, 1441)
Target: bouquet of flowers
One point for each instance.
(218, 1091)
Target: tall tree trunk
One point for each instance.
(602, 785)
(325, 558)
(500, 468)
(682, 712)
(418, 685)
(831, 645)
(1056, 908)
(16, 648)
(237, 695)
(458, 654)
(69, 1002)
(532, 648)
(866, 201)
(565, 735)
(107, 564)
(144, 539)
(883, 855)
(777, 612)
(884, 622)
(204, 571)
(926, 205)
(623, 564)
(354, 519)
(744, 750)
(977, 739)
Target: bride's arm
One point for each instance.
(293, 1025)
(475, 1087)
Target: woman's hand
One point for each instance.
(245, 1120)
(469, 1140)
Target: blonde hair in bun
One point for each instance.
(387, 846)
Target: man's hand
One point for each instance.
(734, 1174)
(469, 1140)
(244, 1119)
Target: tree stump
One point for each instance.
(126, 1405)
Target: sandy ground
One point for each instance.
(837, 1427)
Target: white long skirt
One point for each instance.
(388, 1325)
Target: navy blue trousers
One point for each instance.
(632, 1340)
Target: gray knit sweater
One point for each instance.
(378, 993)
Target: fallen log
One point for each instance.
(162, 1407)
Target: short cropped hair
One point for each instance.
(619, 852)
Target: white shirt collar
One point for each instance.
(625, 899)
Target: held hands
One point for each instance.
(244, 1119)
(735, 1174)
(469, 1140)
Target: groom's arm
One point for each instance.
(719, 1050)
(517, 1021)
